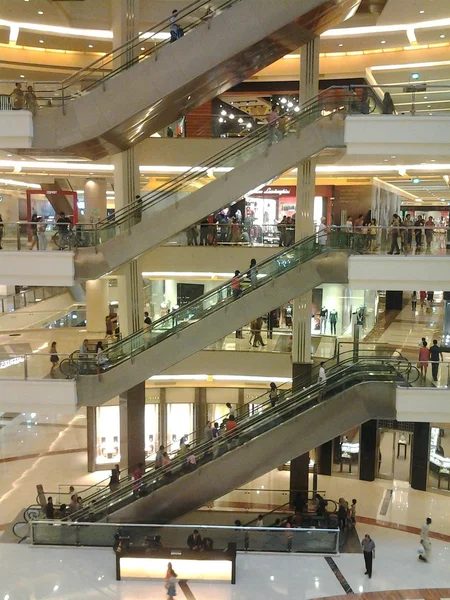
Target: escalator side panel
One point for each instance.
(209, 60)
(165, 220)
(285, 442)
(330, 268)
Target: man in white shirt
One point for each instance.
(322, 374)
(322, 231)
(425, 541)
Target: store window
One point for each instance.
(180, 423)
(439, 471)
(151, 431)
(346, 453)
(108, 435)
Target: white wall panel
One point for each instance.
(37, 268)
(46, 395)
(423, 405)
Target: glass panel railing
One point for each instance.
(215, 300)
(287, 405)
(28, 297)
(258, 539)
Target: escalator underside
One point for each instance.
(213, 57)
(318, 424)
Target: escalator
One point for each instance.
(146, 84)
(356, 390)
(220, 180)
(286, 275)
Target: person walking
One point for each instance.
(42, 238)
(171, 584)
(257, 340)
(16, 98)
(273, 394)
(30, 100)
(424, 357)
(435, 356)
(322, 233)
(388, 104)
(425, 541)
(114, 480)
(368, 546)
(54, 358)
(236, 285)
(414, 301)
(429, 230)
(253, 273)
(395, 230)
(34, 232)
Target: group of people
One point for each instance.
(405, 231)
(20, 100)
(64, 510)
(427, 354)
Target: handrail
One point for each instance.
(299, 398)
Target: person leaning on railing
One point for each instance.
(17, 97)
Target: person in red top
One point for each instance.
(424, 357)
(236, 285)
(230, 424)
(137, 477)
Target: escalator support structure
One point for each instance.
(110, 106)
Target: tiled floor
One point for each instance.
(78, 573)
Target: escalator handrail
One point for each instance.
(291, 262)
(142, 38)
(311, 106)
(299, 398)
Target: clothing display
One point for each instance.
(288, 315)
(323, 319)
(333, 320)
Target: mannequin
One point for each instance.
(323, 319)
(288, 315)
(333, 320)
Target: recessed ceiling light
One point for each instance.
(11, 154)
(421, 12)
(142, 48)
(340, 45)
(442, 36)
(22, 76)
(383, 41)
(41, 41)
(425, 97)
(40, 12)
(91, 46)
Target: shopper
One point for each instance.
(425, 541)
(342, 513)
(171, 584)
(253, 273)
(208, 434)
(429, 230)
(353, 511)
(408, 225)
(16, 98)
(435, 356)
(54, 358)
(388, 104)
(49, 509)
(424, 357)
(273, 394)
(63, 224)
(414, 301)
(349, 231)
(101, 358)
(322, 233)
(109, 326)
(271, 120)
(114, 480)
(418, 225)
(137, 478)
(159, 457)
(257, 340)
(322, 374)
(236, 285)
(194, 541)
(147, 320)
(2, 230)
(34, 232)
(30, 100)
(368, 546)
(372, 236)
(358, 231)
(423, 297)
(42, 238)
(395, 231)
(259, 521)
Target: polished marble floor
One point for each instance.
(28, 573)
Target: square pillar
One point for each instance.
(368, 450)
(324, 458)
(91, 426)
(299, 476)
(132, 426)
(420, 456)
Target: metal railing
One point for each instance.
(29, 297)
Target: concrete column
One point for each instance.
(91, 426)
(324, 455)
(368, 450)
(125, 26)
(420, 456)
(299, 476)
(304, 223)
(162, 417)
(126, 178)
(132, 426)
(94, 200)
(130, 298)
(96, 305)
